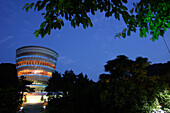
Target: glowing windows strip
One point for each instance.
(35, 75)
(35, 56)
(35, 62)
(36, 72)
(35, 65)
(36, 85)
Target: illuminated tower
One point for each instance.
(37, 64)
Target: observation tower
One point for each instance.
(37, 64)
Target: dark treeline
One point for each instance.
(161, 70)
(11, 88)
(126, 88)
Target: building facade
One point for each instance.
(37, 64)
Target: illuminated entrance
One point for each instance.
(34, 97)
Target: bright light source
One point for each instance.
(21, 108)
(34, 99)
(44, 107)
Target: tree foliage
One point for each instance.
(160, 70)
(155, 17)
(54, 83)
(126, 88)
(9, 88)
(130, 89)
(80, 94)
(122, 66)
(151, 16)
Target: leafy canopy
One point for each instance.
(151, 16)
(126, 82)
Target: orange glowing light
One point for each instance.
(38, 72)
(34, 62)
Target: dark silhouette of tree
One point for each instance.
(139, 67)
(54, 83)
(151, 16)
(68, 79)
(160, 70)
(9, 88)
(119, 67)
(123, 67)
(125, 89)
(104, 77)
(64, 84)
(81, 95)
(129, 88)
(85, 97)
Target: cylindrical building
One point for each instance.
(37, 64)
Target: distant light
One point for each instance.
(21, 107)
(37, 85)
(44, 107)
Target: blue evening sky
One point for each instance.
(82, 50)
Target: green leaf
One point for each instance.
(59, 26)
(124, 30)
(48, 30)
(123, 35)
(136, 9)
(77, 23)
(131, 11)
(125, 16)
(40, 7)
(91, 24)
(43, 24)
(101, 9)
(66, 16)
(73, 23)
(134, 29)
(162, 32)
(31, 5)
(37, 32)
(165, 29)
(117, 16)
(128, 32)
(144, 32)
(36, 5)
(89, 21)
(140, 34)
(92, 12)
(123, 7)
(61, 21)
(84, 26)
(27, 8)
(42, 33)
(25, 5)
(107, 14)
(167, 25)
(125, 19)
